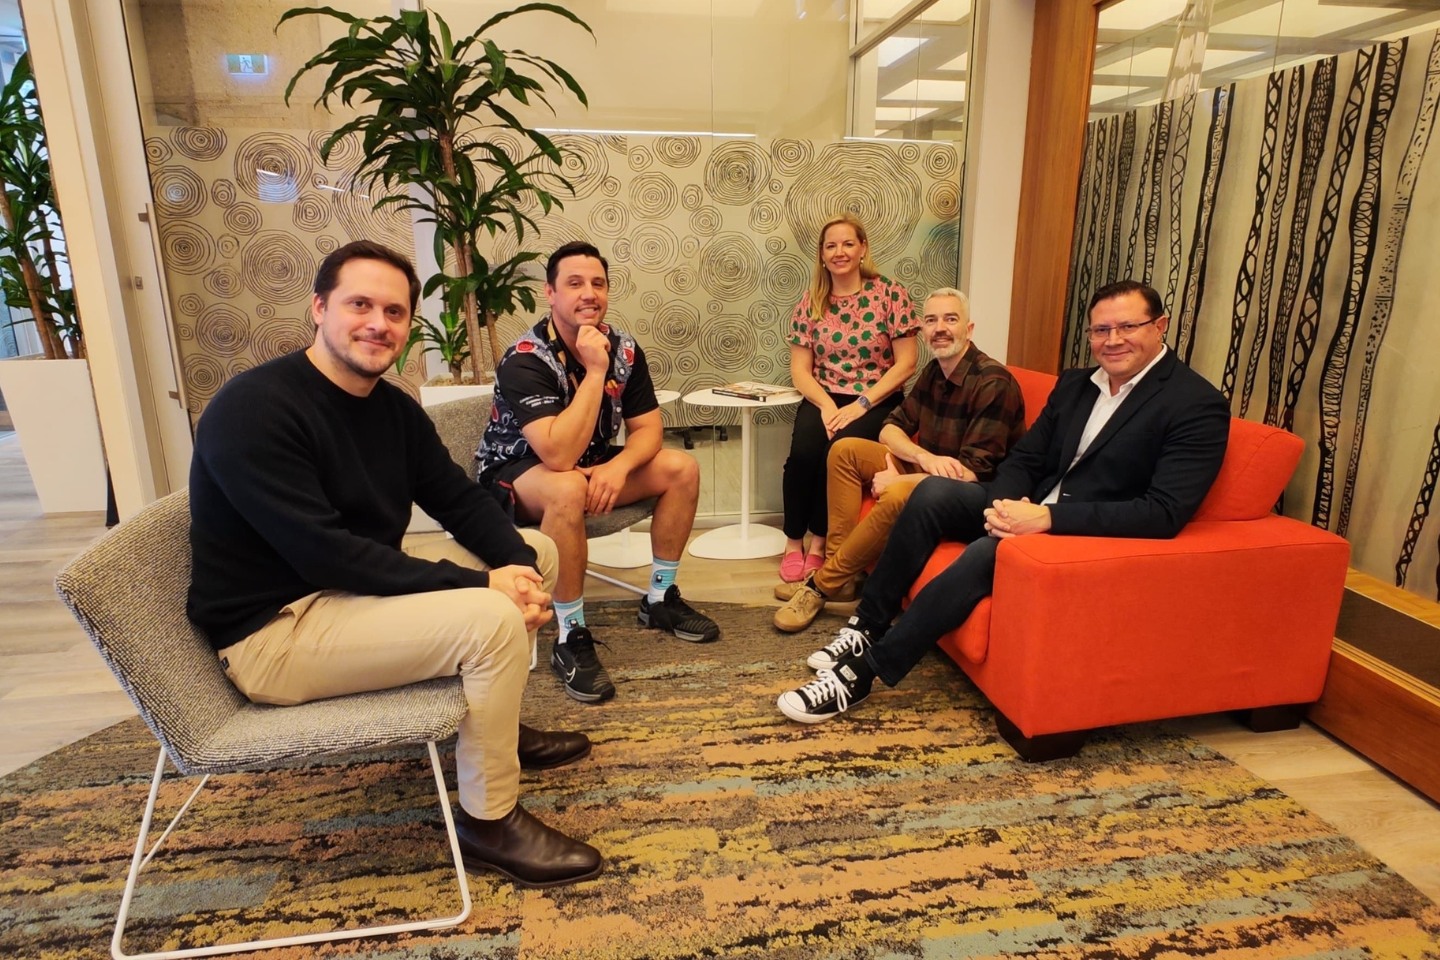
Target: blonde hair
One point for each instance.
(820, 278)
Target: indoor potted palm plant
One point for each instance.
(427, 101)
(49, 395)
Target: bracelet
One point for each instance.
(864, 402)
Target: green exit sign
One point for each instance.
(247, 63)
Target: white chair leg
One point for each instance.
(619, 583)
(139, 860)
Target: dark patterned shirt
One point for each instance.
(538, 378)
(974, 415)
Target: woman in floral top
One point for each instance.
(852, 347)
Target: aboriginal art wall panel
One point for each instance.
(1291, 223)
(244, 218)
(710, 242)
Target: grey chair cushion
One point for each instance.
(461, 425)
(128, 591)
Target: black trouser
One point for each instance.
(939, 509)
(804, 483)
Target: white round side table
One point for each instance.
(743, 540)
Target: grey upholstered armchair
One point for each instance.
(128, 590)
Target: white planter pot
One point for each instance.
(429, 396)
(53, 407)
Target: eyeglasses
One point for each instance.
(1126, 330)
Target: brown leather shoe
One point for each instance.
(525, 850)
(800, 610)
(541, 750)
(846, 594)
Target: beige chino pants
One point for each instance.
(854, 544)
(331, 643)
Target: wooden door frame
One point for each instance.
(1062, 62)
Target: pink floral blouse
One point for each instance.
(852, 343)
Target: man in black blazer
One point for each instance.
(1128, 448)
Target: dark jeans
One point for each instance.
(804, 484)
(939, 509)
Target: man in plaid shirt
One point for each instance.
(964, 413)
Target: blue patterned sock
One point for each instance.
(569, 616)
(662, 574)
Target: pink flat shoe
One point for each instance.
(813, 562)
(792, 567)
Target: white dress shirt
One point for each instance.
(1100, 414)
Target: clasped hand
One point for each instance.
(1012, 518)
(838, 418)
(523, 586)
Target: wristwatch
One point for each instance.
(864, 402)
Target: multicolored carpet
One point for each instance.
(905, 830)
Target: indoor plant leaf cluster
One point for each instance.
(426, 102)
(32, 247)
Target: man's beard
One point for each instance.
(372, 368)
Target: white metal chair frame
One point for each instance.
(142, 858)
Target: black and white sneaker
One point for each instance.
(678, 617)
(575, 663)
(830, 694)
(852, 641)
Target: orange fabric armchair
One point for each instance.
(1237, 612)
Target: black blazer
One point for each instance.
(1147, 471)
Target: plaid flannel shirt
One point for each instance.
(974, 415)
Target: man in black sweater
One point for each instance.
(304, 472)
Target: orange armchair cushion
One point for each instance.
(1259, 461)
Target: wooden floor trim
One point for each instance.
(1386, 715)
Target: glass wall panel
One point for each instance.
(1243, 38)
(912, 84)
(709, 153)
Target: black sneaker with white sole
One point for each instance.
(673, 614)
(575, 663)
(830, 694)
(853, 640)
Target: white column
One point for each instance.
(995, 149)
(97, 155)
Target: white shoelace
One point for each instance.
(826, 686)
(849, 642)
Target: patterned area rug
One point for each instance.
(907, 830)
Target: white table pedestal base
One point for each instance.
(743, 540)
(739, 542)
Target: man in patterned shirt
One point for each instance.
(963, 413)
(562, 394)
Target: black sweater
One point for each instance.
(297, 486)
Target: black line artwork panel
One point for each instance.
(1362, 255)
(1087, 252)
(1125, 160)
(1178, 160)
(1215, 151)
(1110, 167)
(1317, 123)
(1392, 243)
(1272, 236)
(1164, 117)
(1249, 261)
(1072, 283)
(1418, 513)
(1308, 327)
(1138, 216)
